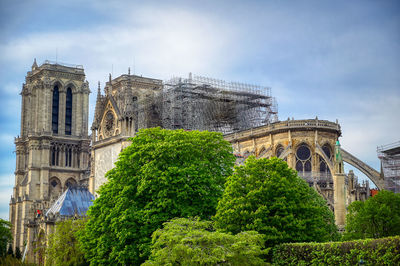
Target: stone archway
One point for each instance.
(370, 172)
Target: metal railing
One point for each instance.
(288, 124)
(388, 146)
(49, 62)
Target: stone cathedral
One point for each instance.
(54, 152)
(53, 147)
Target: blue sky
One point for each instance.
(331, 59)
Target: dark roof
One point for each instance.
(75, 200)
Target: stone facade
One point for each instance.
(309, 147)
(118, 115)
(53, 147)
(53, 150)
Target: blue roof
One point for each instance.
(75, 200)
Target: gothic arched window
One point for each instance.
(303, 159)
(54, 120)
(323, 167)
(279, 150)
(55, 152)
(68, 156)
(70, 183)
(54, 187)
(68, 112)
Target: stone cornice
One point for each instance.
(284, 126)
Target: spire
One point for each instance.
(338, 159)
(98, 108)
(128, 96)
(34, 65)
(108, 89)
(129, 70)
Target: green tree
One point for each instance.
(377, 217)
(185, 241)
(267, 196)
(163, 174)
(63, 247)
(5, 236)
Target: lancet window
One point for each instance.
(54, 187)
(323, 167)
(54, 120)
(70, 183)
(68, 112)
(55, 154)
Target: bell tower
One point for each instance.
(52, 151)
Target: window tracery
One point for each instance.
(54, 187)
(70, 182)
(303, 159)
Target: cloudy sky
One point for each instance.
(331, 59)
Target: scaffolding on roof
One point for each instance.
(390, 163)
(201, 103)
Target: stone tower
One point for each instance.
(128, 105)
(53, 147)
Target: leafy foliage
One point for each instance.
(185, 241)
(5, 236)
(163, 174)
(377, 217)
(63, 247)
(11, 261)
(384, 251)
(267, 196)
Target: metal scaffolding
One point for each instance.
(200, 103)
(390, 163)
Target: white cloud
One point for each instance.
(160, 43)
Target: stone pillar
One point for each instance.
(77, 114)
(85, 113)
(339, 189)
(74, 124)
(339, 199)
(61, 113)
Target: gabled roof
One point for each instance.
(75, 200)
(114, 105)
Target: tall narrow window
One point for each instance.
(68, 112)
(68, 157)
(53, 155)
(54, 123)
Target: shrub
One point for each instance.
(384, 251)
(185, 241)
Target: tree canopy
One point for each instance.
(185, 241)
(63, 247)
(163, 174)
(267, 196)
(5, 236)
(378, 216)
